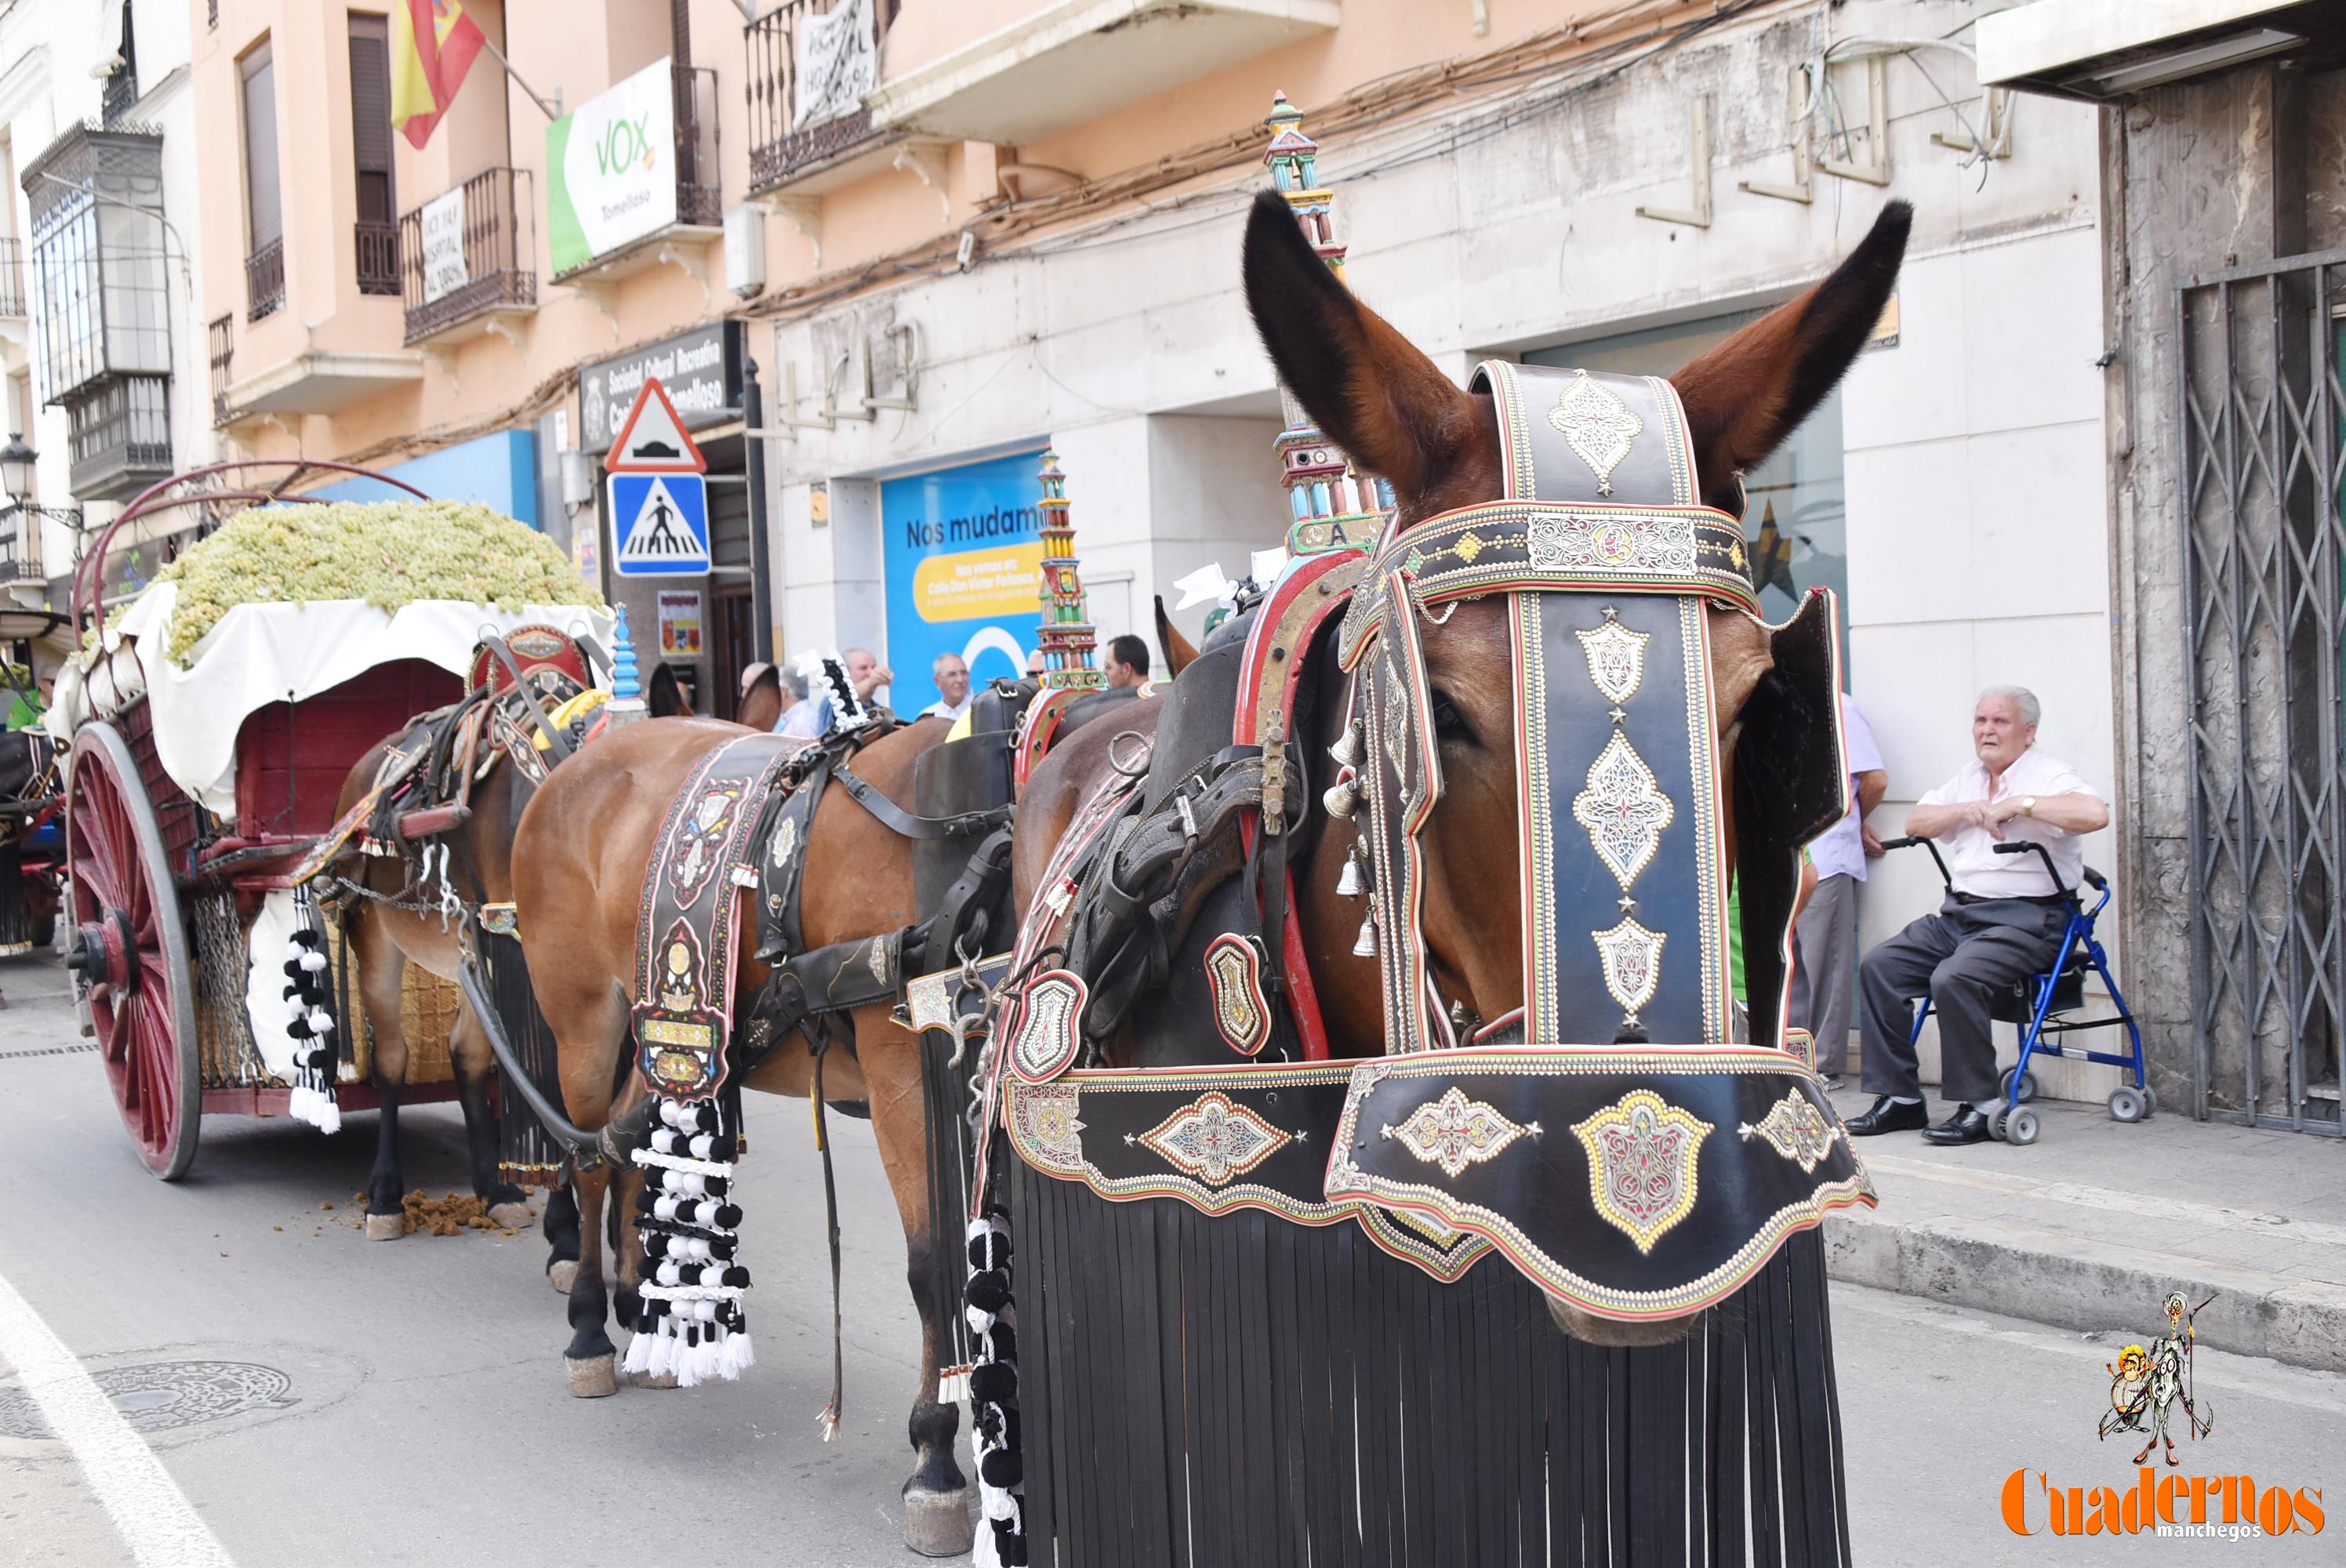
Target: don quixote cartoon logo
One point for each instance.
(2153, 1393)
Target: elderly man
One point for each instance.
(1827, 932)
(816, 716)
(2002, 921)
(951, 676)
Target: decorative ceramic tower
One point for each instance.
(1066, 635)
(1330, 505)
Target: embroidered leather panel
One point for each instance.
(1631, 1181)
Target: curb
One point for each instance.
(2071, 1282)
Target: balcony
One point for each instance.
(595, 258)
(120, 437)
(377, 247)
(1068, 62)
(812, 135)
(222, 347)
(20, 548)
(264, 280)
(12, 281)
(468, 257)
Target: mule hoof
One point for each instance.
(595, 1377)
(511, 1215)
(386, 1226)
(652, 1379)
(561, 1276)
(937, 1524)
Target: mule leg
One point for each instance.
(560, 1227)
(937, 1497)
(468, 1051)
(591, 1361)
(381, 969)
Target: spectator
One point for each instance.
(867, 674)
(800, 716)
(1033, 661)
(864, 672)
(1127, 662)
(2002, 920)
(1825, 978)
(951, 676)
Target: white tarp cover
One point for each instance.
(276, 652)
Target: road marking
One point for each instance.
(2149, 1205)
(149, 1512)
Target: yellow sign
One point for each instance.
(976, 583)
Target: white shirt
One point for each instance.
(1840, 849)
(941, 709)
(1970, 853)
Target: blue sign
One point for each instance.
(963, 553)
(659, 525)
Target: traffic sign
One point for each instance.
(652, 439)
(660, 523)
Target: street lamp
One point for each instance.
(16, 460)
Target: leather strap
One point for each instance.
(904, 823)
(557, 744)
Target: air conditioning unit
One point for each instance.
(578, 479)
(745, 250)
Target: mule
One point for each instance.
(579, 859)
(1401, 418)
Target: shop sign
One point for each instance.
(611, 169)
(702, 370)
(443, 245)
(962, 552)
(679, 623)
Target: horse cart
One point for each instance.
(196, 778)
(32, 847)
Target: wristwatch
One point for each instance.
(2029, 805)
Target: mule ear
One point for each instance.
(1361, 381)
(1745, 396)
(1178, 649)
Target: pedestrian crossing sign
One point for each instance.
(661, 524)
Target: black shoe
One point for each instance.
(1888, 1116)
(1965, 1127)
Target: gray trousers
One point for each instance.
(1825, 979)
(1961, 957)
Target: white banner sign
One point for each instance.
(614, 168)
(443, 245)
(836, 63)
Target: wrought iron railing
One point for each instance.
(120, 436)
(222, 335)
(378, 257)
(475, 253)
(780, 146)
(700, 189)
(264, 280)
(20, 546)
(12, 278)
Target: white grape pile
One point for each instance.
(388, 552)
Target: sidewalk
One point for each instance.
(2089, 1227)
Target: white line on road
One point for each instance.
(149, 1512)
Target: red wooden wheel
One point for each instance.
(130, 947)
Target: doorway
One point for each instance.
(732, 643)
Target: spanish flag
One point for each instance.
(432, 43)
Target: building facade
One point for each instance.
(2223, 155)
(938, 235)
(100, 281)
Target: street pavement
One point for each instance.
(323, 1400)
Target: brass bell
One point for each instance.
(1350, 882)
(1365, 944)
(1343, 797)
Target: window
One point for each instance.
(264, 216)
(370, 117)
(1796, 522)
(101, 296)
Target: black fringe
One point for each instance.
(944, 1097)
(1245, 1393)
(528, 1154)
(15, 910)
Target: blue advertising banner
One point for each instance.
(963, 549)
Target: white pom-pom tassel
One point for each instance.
(639, 1351)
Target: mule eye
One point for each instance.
(1448, 723)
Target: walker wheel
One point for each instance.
(2022, 1126)
(2149, 1102)
(2021, 1088)
(2128, 1104)
(1998, 1122)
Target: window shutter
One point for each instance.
(370, 117)
(264, 213)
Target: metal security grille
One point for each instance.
(2262, 541)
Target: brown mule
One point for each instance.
(1401, 418)
(578, 870)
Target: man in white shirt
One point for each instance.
(951, 676)
(2002, 921)
(1824, 982)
